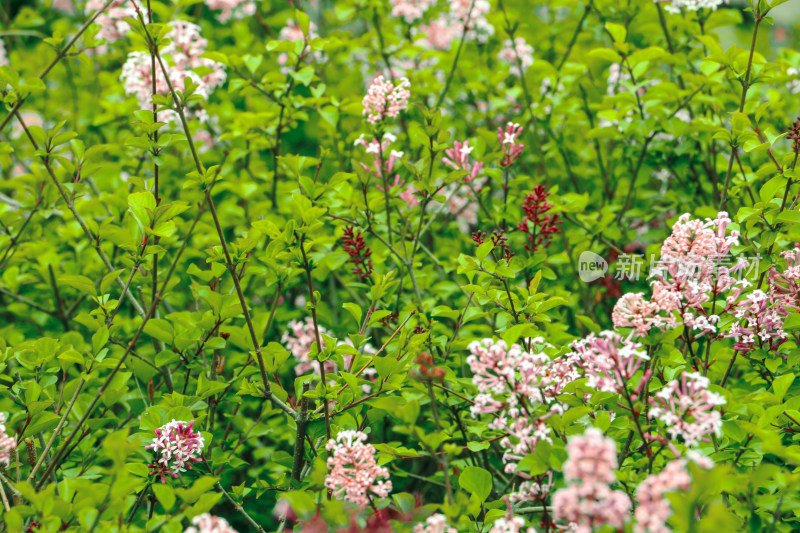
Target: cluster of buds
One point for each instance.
(428, 371)
(358, 251)
(539, 226)
(794, 135)
(499, 240)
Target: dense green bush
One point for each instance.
(395, 265)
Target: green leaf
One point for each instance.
(159, 329)
(99, 339)
(82, 283)
(108, 279)
(354, 310)
(617, 31)
(476, 481)
(142, 205)
(483, 250)
(782, 384)
(165, 495)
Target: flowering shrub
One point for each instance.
(414, 266)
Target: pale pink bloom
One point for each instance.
(587, 506)
(353, 473)
(208, 523)
(3, 55)
(764, 312)
(535, 490)
(298, 339)
(410, 10)
(7, 443)
(478, 27)
(511, 382)
(384, 99)
(633, 311)
(589, 502)
(237, 9)
(439, 34)
(180, 56)
(695, 267)
(686, 407)
(674, 6)
(435, 523)
(409, 196)
(508, 138)
(509, 523)
(652, 508)
(610, 361)
(516, 53)
(176, 446)
(65, 6)
(112, 21)
(283, 510)
(592, 458)
(458, 158)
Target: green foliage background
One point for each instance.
(286, 182)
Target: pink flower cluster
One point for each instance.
(300, 336)
(353, 472)
(686, 407)
(177, 446)
(441, 32)
(633, 311)
(764, 312)
(510, 524)
(511, 384)
(298, 339)
(237, 9)
(385, 99)
(181, 56)
(508, 140)
(694, 268)
(381, 163)
(112, 21)
(652, 508)
(7, 443)
(461, 202)
(411, 10)
(435, 523)
(208, 523)
(590, 502)
(610, 361)
(517, 53)
(458, 158)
